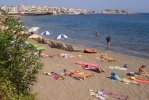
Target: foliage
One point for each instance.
(7, 91)
(18, 64)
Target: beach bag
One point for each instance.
(114, 76)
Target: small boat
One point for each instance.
(90, 51)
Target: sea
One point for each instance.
(129, 33)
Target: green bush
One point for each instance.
(18, 64)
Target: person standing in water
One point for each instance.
(108, 39)
(97, 34)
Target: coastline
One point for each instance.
(99, 49)
(50, 89)
(122, 35)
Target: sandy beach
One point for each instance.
(48, 88)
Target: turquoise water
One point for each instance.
(129, 33)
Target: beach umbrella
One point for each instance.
(34, 36)
(62, 36)
(46, 33)
(33, 29)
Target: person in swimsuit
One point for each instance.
(108, 39)
(142, 71)
(97, 34)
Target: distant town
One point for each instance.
(48, 10)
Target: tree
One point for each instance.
(18, 64)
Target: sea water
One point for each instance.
(129, 33)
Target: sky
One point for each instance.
(97, 5)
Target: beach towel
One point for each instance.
(89, 66)
(114, 95)
(140, 80)
(54, 75)
(118, 68)
(86, 64)
(63, 55)
(99, 95)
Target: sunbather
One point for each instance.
(90, 66)
(71, 74)
(67, 72)
(142, 71)
(83, 75)
(115, 76)
(76, 74)
(105, 57)
(95, 69)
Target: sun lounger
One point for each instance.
(61, 46)
(57, 45)
(71, 48)
(42, 40)
(53, 44)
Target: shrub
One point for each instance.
(18, 64)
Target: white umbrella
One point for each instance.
(33, 29)
(62, 36)
(46, 33)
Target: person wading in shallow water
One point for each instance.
(97, 34)
(108, 39)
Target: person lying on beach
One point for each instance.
(142, 71)
(95, 69)
(83, 75)
(76, 74)
(90, 66)
(105, 57)
(115, 76)
(71, 73)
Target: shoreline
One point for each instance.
(51, 14)
(99, 51)
(102, 48)
(88, 47)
